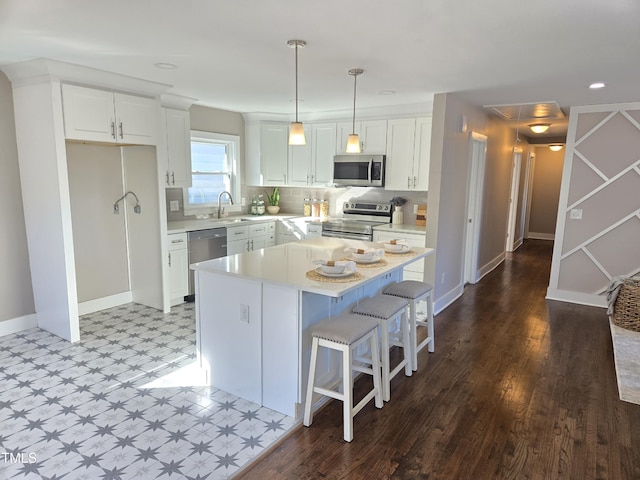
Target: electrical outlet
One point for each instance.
(174, 205)
(244, 313)
(415, 209)
(243, 201)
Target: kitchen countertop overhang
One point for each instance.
(288, 264)
(182, 226)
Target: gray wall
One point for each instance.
(448, 193)
(99, 236)
(601, 178)
(545, 193)
(16, 293)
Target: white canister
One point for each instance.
(397, 216)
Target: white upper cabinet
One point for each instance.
(312, 164)
(408, 149)
(105, 116)
(274, 146)
(372, 133)
(178, 136)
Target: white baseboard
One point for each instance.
(541, 236)
(577, 297)
(103, 303)
(517, 244)
(447, 299)
(15, 325)
(490, 266)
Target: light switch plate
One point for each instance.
(575, 214)
(174, 205)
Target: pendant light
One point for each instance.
(353, 142)
(296, 130)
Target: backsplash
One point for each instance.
(292, 199)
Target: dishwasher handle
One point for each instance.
(209, 233)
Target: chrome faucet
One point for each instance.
(220, 209)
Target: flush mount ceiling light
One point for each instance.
(596, 85)
(296, 130)
(353, 142)
(555, 147)
(165, 66)
(539, 127)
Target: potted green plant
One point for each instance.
(274, 201)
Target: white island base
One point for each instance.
(254, 312)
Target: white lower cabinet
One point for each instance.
(178, 259)
(415, 270)
(247, 238)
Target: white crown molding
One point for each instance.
(43, 70)
(172, 100)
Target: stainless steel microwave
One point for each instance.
(359, 170)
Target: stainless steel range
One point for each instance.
(359, 218)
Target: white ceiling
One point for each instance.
(233, 54)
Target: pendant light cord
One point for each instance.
(296, 81)
(355, 80)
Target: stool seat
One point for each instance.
(388, 311)
(381, 306)
(408, 289)
(344, 334)
(415, 292)
(345, 329)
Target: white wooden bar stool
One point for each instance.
(344, 333)
(416, 292)
(388, 310)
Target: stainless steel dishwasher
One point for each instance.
(205, 245)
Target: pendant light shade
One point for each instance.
(296, 130)
(353, 142)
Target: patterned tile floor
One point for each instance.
(126, 402)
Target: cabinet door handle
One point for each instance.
(121, 132)
(173, 178)
(113, 129)
(414, 182)
(251, 245)
(312, 180)
(168, 178)
(408, 182)
(307, 179)
(169, 258)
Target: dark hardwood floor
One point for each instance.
(518, 388)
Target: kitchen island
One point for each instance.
(254, 312)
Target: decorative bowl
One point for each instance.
(333, 269)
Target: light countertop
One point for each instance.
(418, 229)
(182, 226)
(287, 264)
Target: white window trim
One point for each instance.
(234, 142)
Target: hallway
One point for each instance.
(518, 387)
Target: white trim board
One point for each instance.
(447, 299)
(91, 306)
(491, 266)
(576, 297)
(541, 236)
(18, 324)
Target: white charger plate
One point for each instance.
(346, 273)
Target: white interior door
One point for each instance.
(474, 206)
(513, 202)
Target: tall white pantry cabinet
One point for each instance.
(109, 109)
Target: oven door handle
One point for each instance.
(370, 166)
(353, 236)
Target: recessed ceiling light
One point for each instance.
(555, 147)
(387, 92)
(165, 66)
(596, 85)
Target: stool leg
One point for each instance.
(406, 344)
(430, 330)
(386, 381)
(375, 369)
(308, 406)
(347, 385)
(413, 333)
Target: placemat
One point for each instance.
(313, 275)
(381, 263)
(410, 253)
